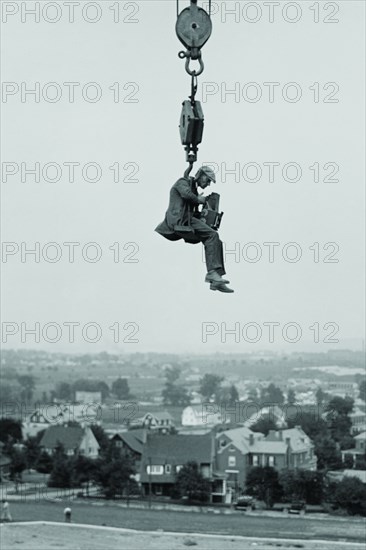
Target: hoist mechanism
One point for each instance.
(193, 28)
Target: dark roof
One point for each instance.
(130, 439)
(179, 449)
(69, 437)
(175, 450)
(139, 433)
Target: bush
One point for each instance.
(349, 495)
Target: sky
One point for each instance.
(101, 133)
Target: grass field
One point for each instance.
(41, 536)
(241, 524)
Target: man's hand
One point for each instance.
(202, 199)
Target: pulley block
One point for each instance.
(193, 27)
(191, 123)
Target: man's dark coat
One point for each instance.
(181, 193)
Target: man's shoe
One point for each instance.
(221, 287)
(214, 277)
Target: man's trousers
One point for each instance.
(212, 243)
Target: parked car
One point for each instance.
(245, 502)
(297, 507)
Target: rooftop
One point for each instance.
(69, 437)
(178, 449)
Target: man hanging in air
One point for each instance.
(178, 224)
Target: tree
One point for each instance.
(92, 386)
(228, 395)
(191, 483)
(339, 422)
(113, 476)
(340, 405)
(175, 395)
(349, 494)
(210, 385)
(120, 388)
(272, 395)
(264, 425)
(362, 390)
(61, 473)
(9, 393)
(10, 430)
(262, 482)
(17, 465)
(32, 451)
(311, 424)
(327, 453)
(27, 383)
(291, 396)
(64, 391)
(82, 471)
(44, 463)
(172, 374)
(302, 485)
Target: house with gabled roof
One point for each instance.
(299, 448)
(164, 455)
(202, 415)
(240, 449)
(131, 442)
(162, 422)
(58, 414)
(75, 440)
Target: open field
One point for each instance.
(46, 536)
(239, 524)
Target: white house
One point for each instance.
(204, 414)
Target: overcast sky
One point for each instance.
(156, 292)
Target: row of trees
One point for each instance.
(119, 388)
(211, 386)
(270, 486)
(21, 389)
(111, 472)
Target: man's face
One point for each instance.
(203, 181)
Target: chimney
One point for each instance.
(251, 439)
(280, 435)
(288, 441)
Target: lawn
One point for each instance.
(110, 514)
(71, 537)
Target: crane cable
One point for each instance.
(209, 7)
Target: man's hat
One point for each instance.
(208, 172)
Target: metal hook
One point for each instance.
(188, 170)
